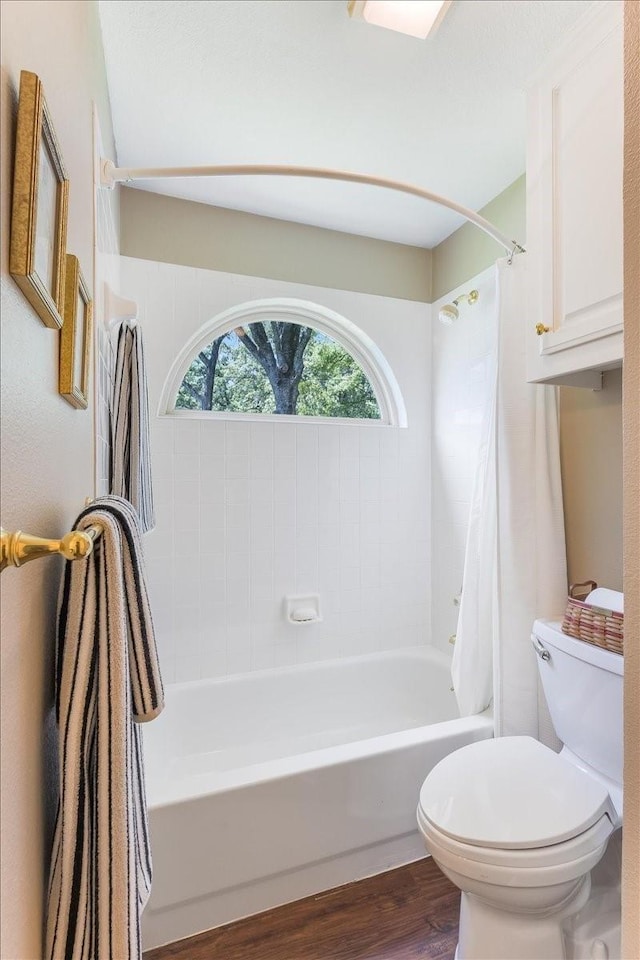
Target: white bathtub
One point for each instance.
(274, 785)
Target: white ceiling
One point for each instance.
(296, 81)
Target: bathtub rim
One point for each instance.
(441, 657)
(194, 787)
(337, 755)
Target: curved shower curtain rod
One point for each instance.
(110, 175)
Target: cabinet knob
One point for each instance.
(540, 329)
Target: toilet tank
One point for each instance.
(583, 688)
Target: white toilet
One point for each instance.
(518, 828)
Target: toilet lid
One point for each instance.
(512, 792)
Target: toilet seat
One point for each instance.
(511, 794)
(512, 813)
(536, 866)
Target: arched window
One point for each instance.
(278, 367)
(285, 357)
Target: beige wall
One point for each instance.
(172, 230)
(631, 840)
(46, 449)
(591, 454)
(155, 227)
(469, 251)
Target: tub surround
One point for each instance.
(251, 512)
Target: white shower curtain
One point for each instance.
(515, 566)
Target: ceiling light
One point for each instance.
(417, 18)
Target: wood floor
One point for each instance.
(406, 914)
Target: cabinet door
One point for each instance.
(574, 202)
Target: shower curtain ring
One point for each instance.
(517, 248)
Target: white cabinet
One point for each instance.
(574, 204)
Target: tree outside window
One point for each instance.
(278, 367)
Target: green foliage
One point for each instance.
(332, 383)
(240, 384)
(192, 387)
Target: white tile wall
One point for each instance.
(228, 549)
(460, 369)
(249, 512)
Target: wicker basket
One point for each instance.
(604, 628)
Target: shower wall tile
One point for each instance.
(250, 512)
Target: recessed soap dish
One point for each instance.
(301, 610)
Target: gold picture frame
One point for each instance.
(75, 337)
(40, 206)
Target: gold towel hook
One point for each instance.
(19, 548)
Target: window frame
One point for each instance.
(354, 340)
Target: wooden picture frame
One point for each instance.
(75, 337)
(40, 206)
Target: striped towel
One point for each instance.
(130, 453)
(107, 677)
